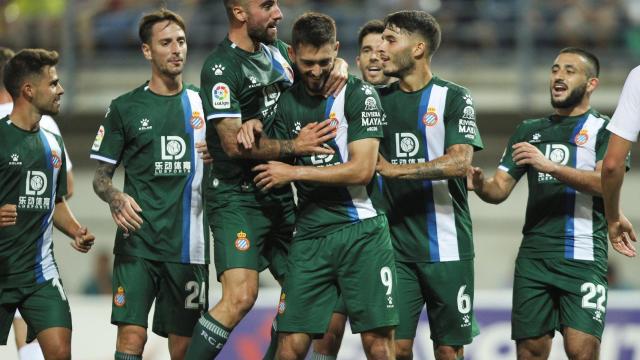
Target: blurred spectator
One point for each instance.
(34, 23)
(100, 282)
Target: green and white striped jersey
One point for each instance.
(561, 221)
(429, 220)
(357, 115)
(32, 176)
(154, 138)
(246, 85)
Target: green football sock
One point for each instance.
(316, 356)
(209, 336)
(123, 356)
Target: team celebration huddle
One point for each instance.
(352, 191)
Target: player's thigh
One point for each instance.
(9, 299)
(534, 305)
(448, 288)
(411, 302)
(583, 300)
(367, 274)
(309, 292)
(239, 231)
(46, 307)
(278, 242)
(135, 287)
(182, 297)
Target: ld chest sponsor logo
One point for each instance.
(172, 151)
(36, 183)
(407, 145)
(35, 186)
(322, 159)
(559, 154)
(172, 147)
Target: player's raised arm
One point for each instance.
(123, 207)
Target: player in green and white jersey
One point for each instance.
(428, 145)
(241, 81)
(32, 189)
(560, 280)
(342, 244)
(370, 66)
(161, 248)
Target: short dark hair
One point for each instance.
(150, 19)
(314, 29)
(415, 21)
(370, 27)
(228, 6)
(25, 63)
(5, 55)
(593, 70)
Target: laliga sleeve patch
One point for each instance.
(221, 96)
(98, 141)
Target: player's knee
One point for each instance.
(444, 352)
(404, 352)
(242, 301)
(582, 351)
(378, 344)
(131, 340)
(379, 350)
(60, 352)
(330, 343)
(288, 352)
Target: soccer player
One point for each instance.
(241, 82)
(625, 126)
(46, 122)
(428, 146)
(342, 244)
(33, 183)
(560, 280)
(368, 61)
(28, 351)
(161, 247)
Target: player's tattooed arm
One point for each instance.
(124, 209)
(237, 143)
(454, 163)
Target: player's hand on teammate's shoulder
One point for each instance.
(622, 235)
(475, 178)
(124, 211)
(312, 138)
(527, 154)
(273, 174)
(83, 240)
(249, 132)
(8, 215)
(337, 78)
(201, 148)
